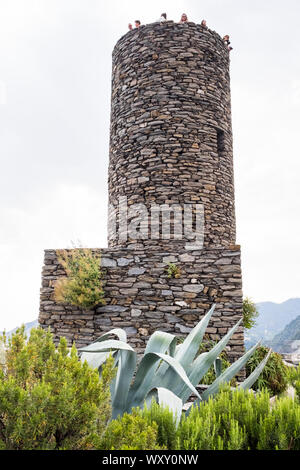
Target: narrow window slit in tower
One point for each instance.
(220, 141)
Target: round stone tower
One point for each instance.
(171, 134)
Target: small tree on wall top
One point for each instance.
(250, 313)
(83, 285)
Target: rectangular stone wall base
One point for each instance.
(141, 298)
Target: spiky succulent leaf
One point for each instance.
(185, 354)
(144, 377)
(161, 342)
(218, 367)
(126, 368)
(104, 346)
(229, 373)
(203, 362)
(189, 348)
(167, 399)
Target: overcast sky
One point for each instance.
(55, 72)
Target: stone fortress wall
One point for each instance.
(171, 143)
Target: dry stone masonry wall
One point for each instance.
(171, 143)
(141, 298)
(171, 138)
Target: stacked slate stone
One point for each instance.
(171, 143)
(171, 137)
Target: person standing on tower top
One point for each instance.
(137, 23)
(163, 18)
(184, 18)
(227, 42)
(204, 24)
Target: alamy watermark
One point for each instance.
(133, 222)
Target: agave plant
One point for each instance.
(167, 372)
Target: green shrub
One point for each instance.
(275, 374)
(49, 399)
(130, 432)
(294, 379)
(250, 313)
(232, 420)
(82, 286)
(166, 426)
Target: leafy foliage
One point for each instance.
(82, 286)
(250, 313)
(294, 379)
(275, 374)
(49, 399)
(166, 424)
(232, 420)
(167, 372)
(130, 432)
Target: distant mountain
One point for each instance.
(28, 327)
(273, 318)
(288, 340)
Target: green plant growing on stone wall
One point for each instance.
(173, 271)
(250, 313)
(167, 372)
(83, 285)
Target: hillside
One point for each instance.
(28, 326)
(273, 318)
(288, 340)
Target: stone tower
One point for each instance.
(170, 150)
(171, 136)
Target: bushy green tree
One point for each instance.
(274, 377)
(250, 313)
(49, 399)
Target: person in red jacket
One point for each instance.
(184, 18)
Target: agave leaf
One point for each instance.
(218, 367)
(144, 377)
(189, 348)
(121, 334)
(160, 342)
(167, 399)
(96, 360)
(203, 363)
(104, 346)
(229, 373)
(184, 354)
(255, 374)
(126, 367)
